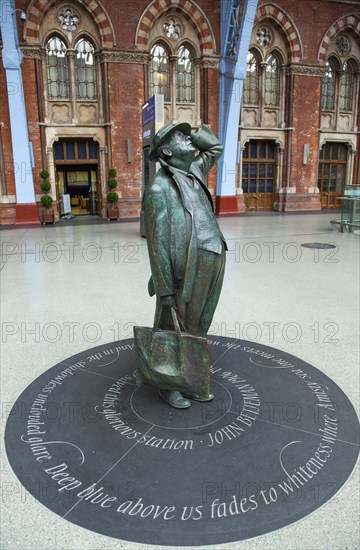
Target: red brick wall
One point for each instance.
(126, 89)
(213, 113)
(125, 17)
(126, 84)
(312, 19)
(305, 121)
(312, 23)
(32, 113)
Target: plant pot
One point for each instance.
(46, 215)
(112, 212)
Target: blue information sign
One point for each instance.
(148, 111)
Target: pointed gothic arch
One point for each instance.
(292, 35)
(347, 22)
(38, 8)
(188, 9)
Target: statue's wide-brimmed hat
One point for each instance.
(164, 133)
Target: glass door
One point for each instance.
(332, 172)
(78, 185)
(258, 175)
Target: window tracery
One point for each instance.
(62, 61)
(328, 87)
(343, 45)
(172, 29)
(69, 19)
(160, 71)
(57, 69)
(184, 75)
(251, 84)
(264, 36)
(272, 81)
(346, 87)
(85, 70)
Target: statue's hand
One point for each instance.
(168, 301)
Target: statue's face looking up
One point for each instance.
(180, 147)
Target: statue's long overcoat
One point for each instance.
(170, 230)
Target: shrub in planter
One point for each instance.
(46, 201)
(44, 174)
(45, 187)
(112, 197)
(112, 183)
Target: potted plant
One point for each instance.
(46, 212)
(112, 197)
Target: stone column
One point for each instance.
(26, 208)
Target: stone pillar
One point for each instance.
(301, 191)
(239, 189)
(26, 208)
(233, 66)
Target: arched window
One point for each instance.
(160, 71)
(85, 70)
(328, 87)
(346, 88)
(185, 89)
(251, 84)
(57, 69)
(272, 82)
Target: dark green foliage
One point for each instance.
(112, 183)
(44, 174)
(45, 186)
(112, 197)
(46, 201)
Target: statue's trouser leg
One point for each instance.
(198, 313)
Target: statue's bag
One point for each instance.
(172, 360)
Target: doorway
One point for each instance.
(77, 176)
(332, 173)
(79, 182)
(259, 175)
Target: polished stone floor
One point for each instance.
(73, 286)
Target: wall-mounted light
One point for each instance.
(22, 14)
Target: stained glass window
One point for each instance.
(160, 72)
(346, 88)
(85, 70)
(57, 69)
(251, 84)
(328, 87)
(184, 75)
(272, 82)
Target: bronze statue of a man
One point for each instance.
(185, 244)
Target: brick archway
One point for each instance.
(346, 22)
(37, 9)
(273, 12)
(189, 10)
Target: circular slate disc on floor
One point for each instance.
(278, 440)
(320, 246)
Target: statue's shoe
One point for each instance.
(174, 398)
(203, 398)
